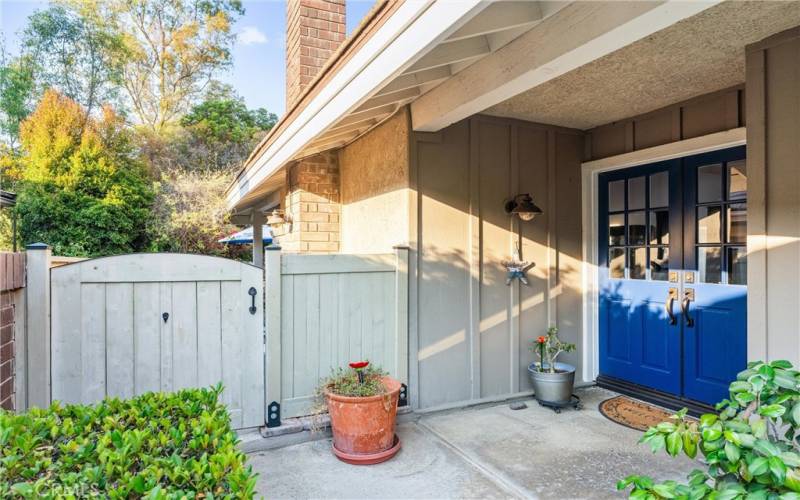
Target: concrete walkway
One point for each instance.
(482, 452)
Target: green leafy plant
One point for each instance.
(361, 380)
(548, 348)
(751, 447)
(157, 445)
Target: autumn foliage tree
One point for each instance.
(172, 48)
(81, 188)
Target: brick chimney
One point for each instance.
(314, 30)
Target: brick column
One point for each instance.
(6, 350)
(314, 30)
(312, 201)
(12, 283)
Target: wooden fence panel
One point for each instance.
(331, 310)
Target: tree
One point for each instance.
(190, 215)
(74, 53)
(16, 91)
(173, 48)
(222, 131)
(82, 189)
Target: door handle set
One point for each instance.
(671, 296)
(688, 297)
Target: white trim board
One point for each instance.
(590, 171)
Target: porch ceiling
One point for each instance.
(695, 56)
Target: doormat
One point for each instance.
(631, 413)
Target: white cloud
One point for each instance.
(250, 35)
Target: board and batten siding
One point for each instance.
(706, 114)
(332, 310)
(470, 331)
(773, 197)
(129, 324)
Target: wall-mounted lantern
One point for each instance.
(278, 217)
(522, 205)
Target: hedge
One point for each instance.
(157, 445)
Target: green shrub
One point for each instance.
(751, 448)
(157, 445)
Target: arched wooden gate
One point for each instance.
(129, 324)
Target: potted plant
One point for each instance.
(362, 404)
(552, 381)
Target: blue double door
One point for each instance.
(673, 274)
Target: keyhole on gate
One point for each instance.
(165, 316)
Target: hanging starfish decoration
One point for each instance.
(517, 268)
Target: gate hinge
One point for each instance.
(403, 399)
(274, 414)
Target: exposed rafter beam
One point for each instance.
(579, 33)
(500, 16)
(404, 82)
(412, 27)
(363, 127)
(332, 143)
(452, 52)
(313, 149)
(353, 126)
(367, 115)
(394, 97)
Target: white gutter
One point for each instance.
(409, 33)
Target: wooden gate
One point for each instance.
(129, 324)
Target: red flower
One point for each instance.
(541, 339)
(359, 365)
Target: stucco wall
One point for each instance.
(472, 331)
(773, 193)
(374, 188)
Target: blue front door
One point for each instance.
(673, 274)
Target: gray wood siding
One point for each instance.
(773, 196)
(473, 331)
(706, 114)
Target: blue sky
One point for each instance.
(258, 58)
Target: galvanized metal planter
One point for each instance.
(555, 387)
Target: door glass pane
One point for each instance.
(659, 263)
(659, 227)
(737, 223)
(637, 263)
(709, 183)
(659, 190)
(616, 196)
(709, 264)
(737, 180)
(616, 229)
(636, 193)
(737, 266)
(636, 228)
(616, 262)
(708, 224)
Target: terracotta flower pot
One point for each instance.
(363, 427)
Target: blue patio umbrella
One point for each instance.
(245, 237)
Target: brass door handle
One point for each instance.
(673, 293)
(688, 296)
